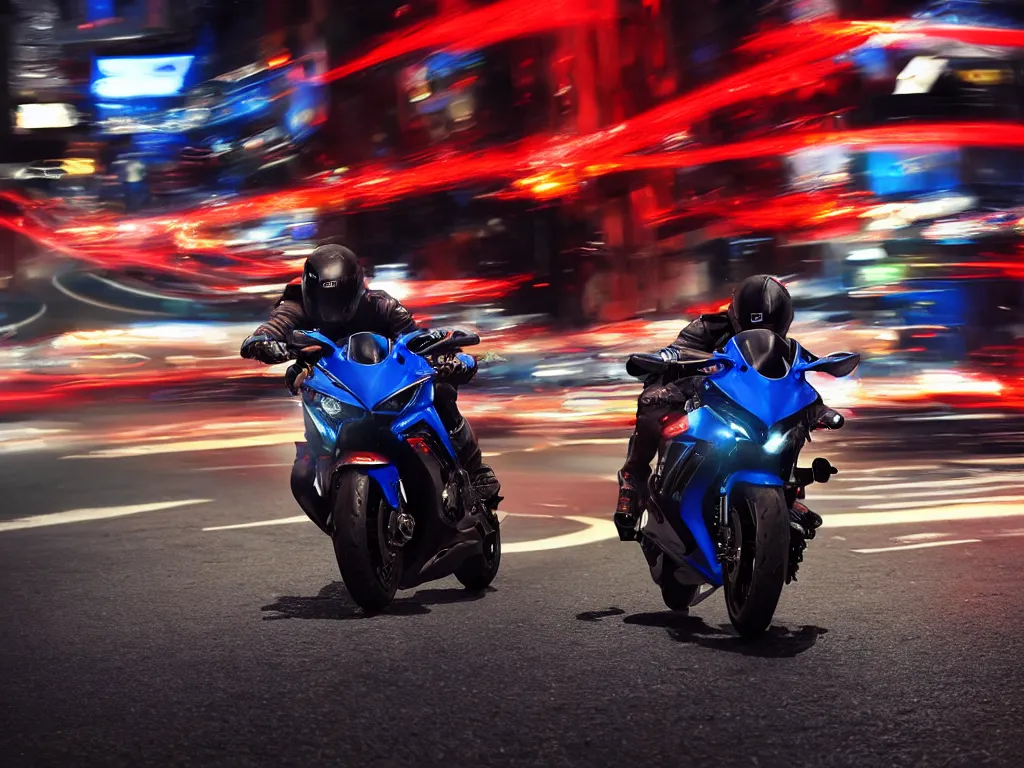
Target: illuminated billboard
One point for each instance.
(140, 77)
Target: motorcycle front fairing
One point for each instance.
(386, 408)
(735, 437)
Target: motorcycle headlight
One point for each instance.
(398, 401)
(335, 409)
(776, 442)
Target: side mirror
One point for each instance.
(441, 341)
(838, 364)
(460, 338)
(300, 340)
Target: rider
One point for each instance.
(761, 301)
(332, 297)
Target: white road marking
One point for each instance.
(23, 323)
(1004, 477)
(102, 305)
(593, 441)
(260, 523)
(188, 446)
(596, 530)
(98, 513)
(286, 521)
(861, 479)
(933, 515)
(972, 502)
(244, 466)
(992, 462)
(869, 470)
(912, 537)
(826, 496)
(923, 545)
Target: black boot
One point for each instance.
(630, 504)
(304, 491)
(482, 476)
(803, 525)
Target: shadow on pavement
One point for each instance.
(334, 603)
(778, 643)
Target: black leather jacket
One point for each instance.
(377, 313)
(705, 334)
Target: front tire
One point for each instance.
(477, 573)
(754, 578)
(370, 565)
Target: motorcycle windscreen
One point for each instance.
(372, 383)
(762, 379)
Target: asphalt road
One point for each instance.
(141, 626)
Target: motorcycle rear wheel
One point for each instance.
(370, 565)
(677, 596)
(754, 579)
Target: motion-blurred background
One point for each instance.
(574, 178)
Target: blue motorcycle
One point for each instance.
(402, 510)
(719, 504)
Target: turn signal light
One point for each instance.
(673, 425)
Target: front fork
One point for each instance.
(725, 541)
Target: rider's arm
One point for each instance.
(705, 334)
(267, 343)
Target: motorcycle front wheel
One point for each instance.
(370, 565)
(756, 572)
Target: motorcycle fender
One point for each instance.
(750, 477)
(379, 469)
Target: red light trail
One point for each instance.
(542, 168)
(483, 27)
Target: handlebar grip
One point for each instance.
(830, 419)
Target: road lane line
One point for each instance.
(910, 538)
(291, 521)
(933, 515)
(971, 502)
(922, 545)
(260, 523)
(244, 466)
(189, 446)
(1002, 477)
(813, 495)
(98, 513)
(596, 530)
(908, 468)
(994, 461)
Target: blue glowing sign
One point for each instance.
(442, 65)
(98, 10)
(911, 172)
(140, 77)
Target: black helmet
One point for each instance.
(762, 301)
(332, 285)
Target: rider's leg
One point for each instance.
(303, 489)
(654, 404)
(465, 443)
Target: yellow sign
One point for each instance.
(78, 166)
(985, 76)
